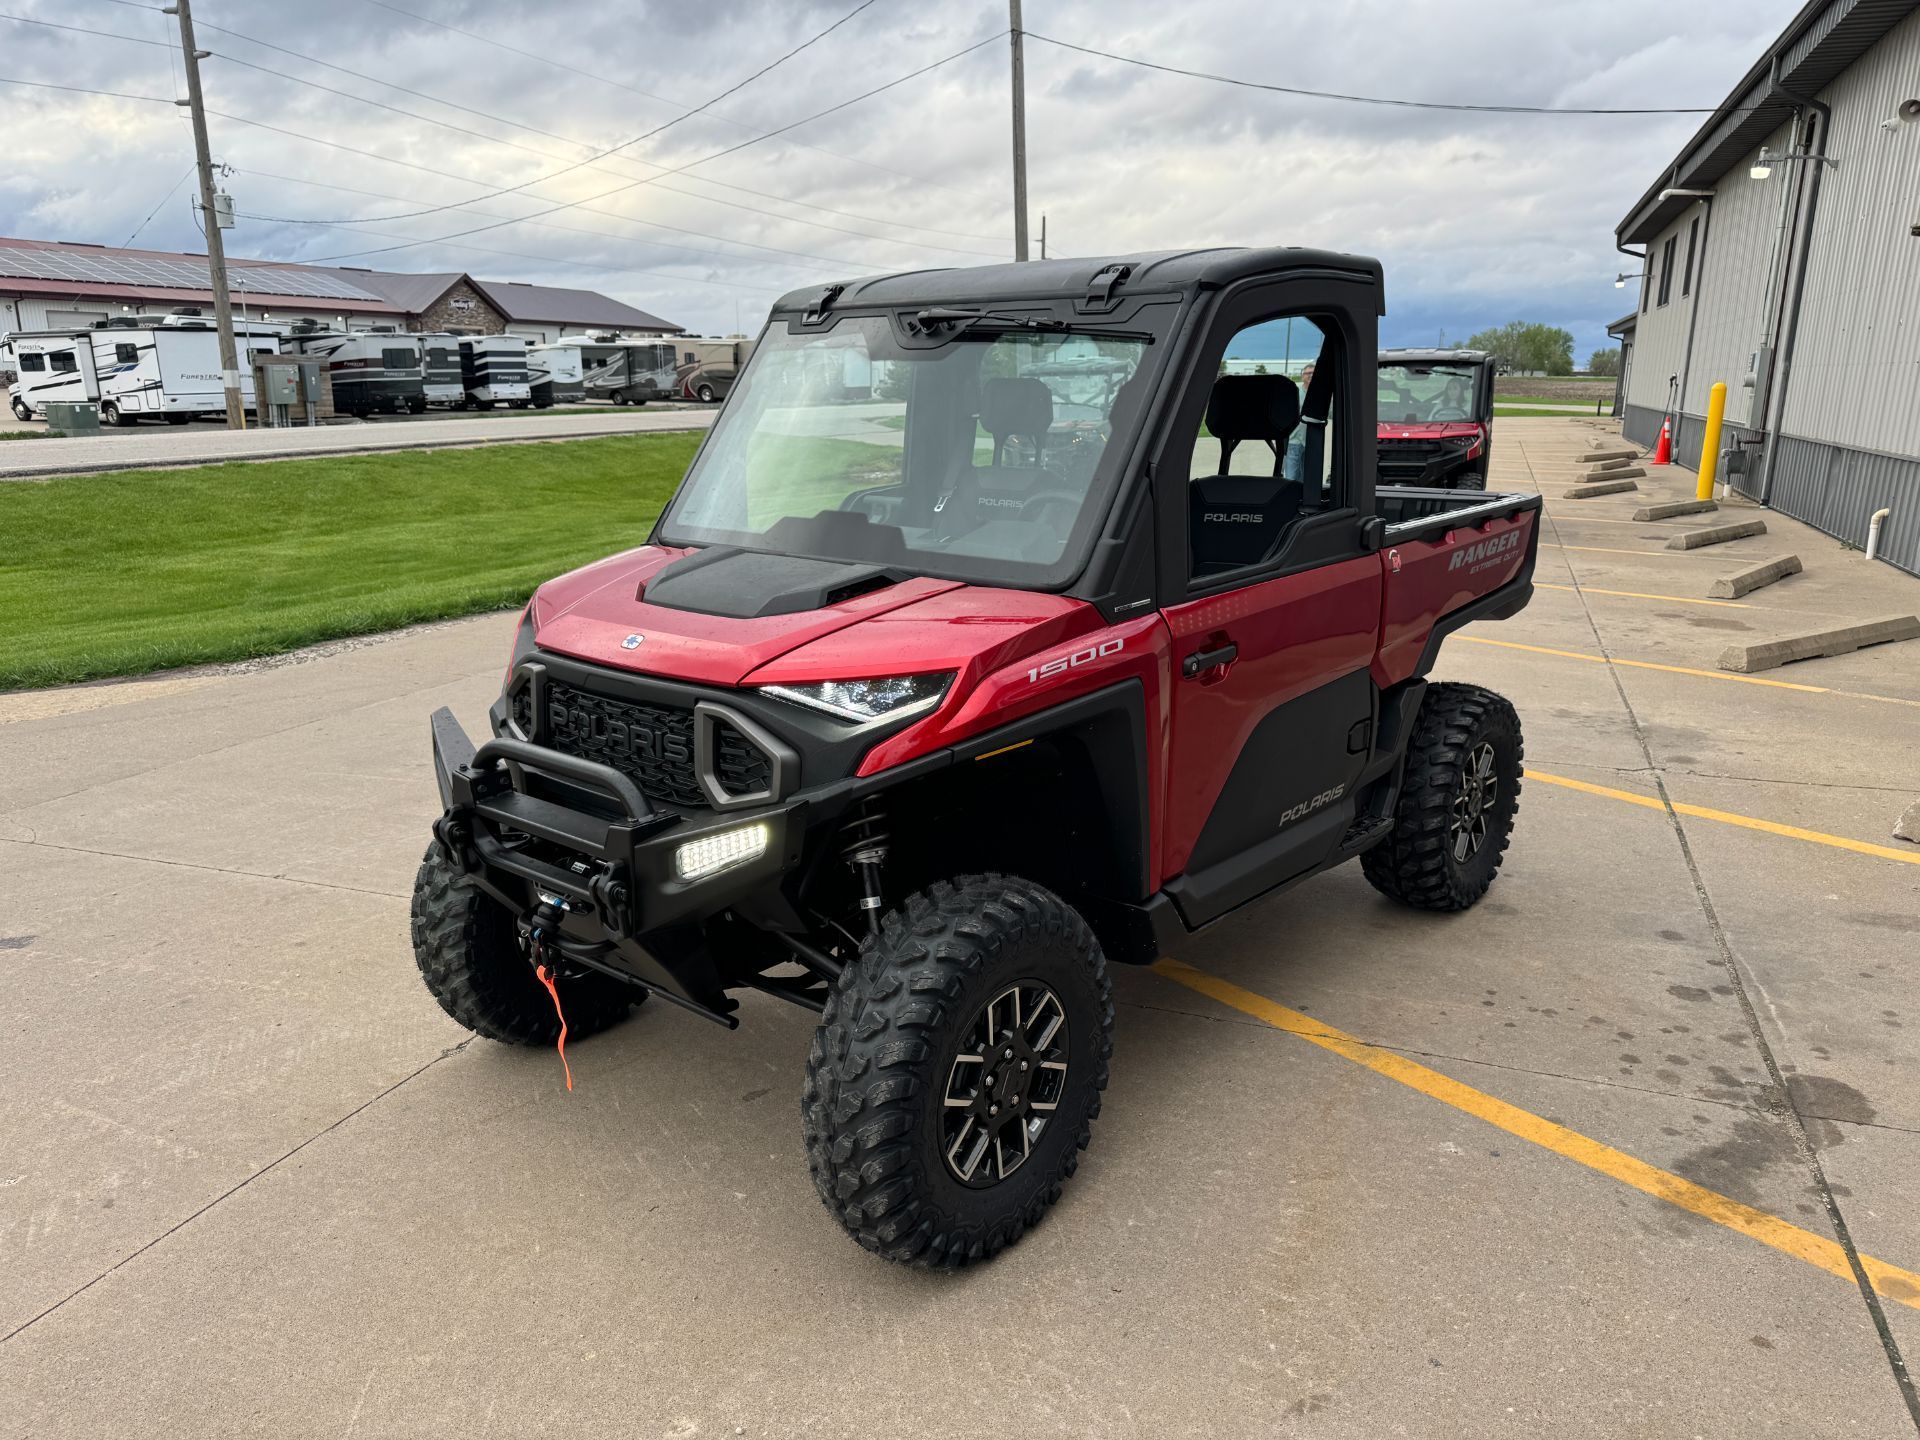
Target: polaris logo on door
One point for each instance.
(1235, 517)
(1499, 547)
(1307, 807)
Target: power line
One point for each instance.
(582, 144)
(630, 89)
(156, 209)
(82, 30)
(1368, 99)
(624, 144)
(635, 184)
(531, 150)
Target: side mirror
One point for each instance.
(1373, 533)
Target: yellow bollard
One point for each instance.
(1710, 442)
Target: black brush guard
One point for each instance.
(532, 825)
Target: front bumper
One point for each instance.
(531, 824)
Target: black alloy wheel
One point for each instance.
(1004, 1084)
(1474, 804)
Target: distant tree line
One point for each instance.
(1604, 362)
(1528, 349)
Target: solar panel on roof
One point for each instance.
(32, 264)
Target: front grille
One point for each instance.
(651, 744)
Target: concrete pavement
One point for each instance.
(150, 445)
(253, 1181)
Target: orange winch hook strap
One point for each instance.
(546, 979)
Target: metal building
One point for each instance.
(1780, 252)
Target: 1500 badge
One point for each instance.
(1048, 669)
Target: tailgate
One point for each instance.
(1472, 559)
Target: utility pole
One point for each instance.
(1017, 36)
(210, 220)
(1043, 234)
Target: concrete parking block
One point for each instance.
(1836, 640)
(1618, 472)
(1612, 462)
(1907, 827)
(1742, 582)
(1668, 509)
(1599, 487)
(1717, 534)
(1605, 450)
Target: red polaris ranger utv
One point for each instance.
(929, 699)
(1436, 418)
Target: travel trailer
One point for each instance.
(51, 365)
(136, 367)
(626, 370)
(494, 370)
(707, 367)
(440, 370)
(378, 369)
(555, 374)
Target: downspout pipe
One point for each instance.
(1620, 380)
(1699, 277)
(1790, 327)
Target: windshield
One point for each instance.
(1416, 393)
(986, 457)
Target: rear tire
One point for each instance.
(706, 394)
(1457, 802)
(470, 955)
(918, 1019)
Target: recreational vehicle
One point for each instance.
(626, 370)
(707, 367)
(494, 370)
(555, 375)
(377, 369)
(440, 370)
(136, 367)
(51, 365)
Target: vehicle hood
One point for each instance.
(1429, 429)
(915, 626)
(591, 613)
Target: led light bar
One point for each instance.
(721, 850)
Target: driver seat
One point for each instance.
(1008, 407)
(1236, 520)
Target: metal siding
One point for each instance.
(1837, 490)
(1856, 363)
(1660, 336)
(1732, 293)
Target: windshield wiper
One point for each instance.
(965, 320)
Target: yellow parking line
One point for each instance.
(1611, 549)
(1650, 665)
(1727, 817)
(1688, 670)
(1816, 1250)
(1641, 595)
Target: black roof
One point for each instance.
(1434, 357)
(1818, 44)
(1159, 271)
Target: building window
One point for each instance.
(1693, 241)
(1666, 268)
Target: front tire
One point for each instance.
(976, 991)
(1457, 802)
(470, 955)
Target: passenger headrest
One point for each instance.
(1016, 407)
(1253, 407)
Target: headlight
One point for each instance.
(864, 700)
(721, 851)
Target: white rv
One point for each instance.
(627, 371)
(554, 372)
(440, 370)
(378, 369)
(494, 369)
(136, 367)
(170, 369)
(51, 365)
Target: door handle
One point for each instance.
(1201, 661)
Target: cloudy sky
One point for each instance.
(1480, 219)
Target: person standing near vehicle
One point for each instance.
(1294, 463)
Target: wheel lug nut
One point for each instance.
(1008, 1054)
(1023, 1064)
(989, 1079)
(993, 1109)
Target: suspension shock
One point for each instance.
(864, 842)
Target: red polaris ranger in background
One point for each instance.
(929, 699)
(1436, 418)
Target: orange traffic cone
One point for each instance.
(1663, 452)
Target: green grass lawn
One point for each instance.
(1520, 411)
(23, 434)
(143, 570)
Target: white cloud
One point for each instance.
(1479, 219)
